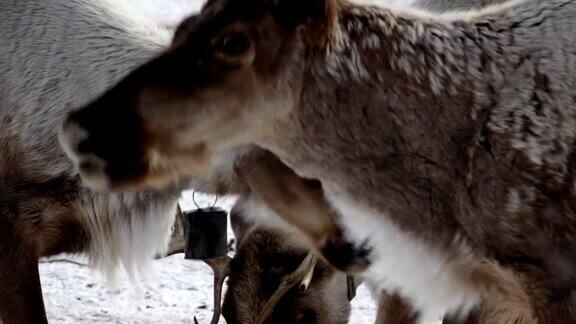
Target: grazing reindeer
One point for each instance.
(273, 281)
(55, 54)
(273, 277)
(445, 141)
(273, 267)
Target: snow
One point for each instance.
(176, 289)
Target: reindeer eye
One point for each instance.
(234, 44)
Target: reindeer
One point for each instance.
(55, 54)
(273, 266)
(274, 279)
(45, 210)
(62, 55)
(444, 141)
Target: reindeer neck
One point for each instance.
(384, 48)
(403, 107)
(394, 104)
(404, 83)
(437, 125)
(392, 85)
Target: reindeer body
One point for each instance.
(454, 148)
(55, 55)
(444, 141)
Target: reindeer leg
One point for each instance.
(20, 291)
(301, 203)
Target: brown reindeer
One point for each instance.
(393, 308)
(44, 209)
(445, 141)
(272, 276)
(273, 279)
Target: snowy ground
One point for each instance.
(177, 289)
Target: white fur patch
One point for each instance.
(404, 264)
(125, 235)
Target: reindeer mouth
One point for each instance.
(110, 158)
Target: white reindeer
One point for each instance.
(54, 55)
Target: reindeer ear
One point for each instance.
(320, 13)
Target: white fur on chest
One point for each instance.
(404, 264)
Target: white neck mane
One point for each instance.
(59, 54)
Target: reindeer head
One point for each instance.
(232, 70)
(273, 281)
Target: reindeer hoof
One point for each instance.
(346, 256)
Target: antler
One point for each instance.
(221, 268)
(302, 275)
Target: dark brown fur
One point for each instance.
(33, 224)
(262, 259)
